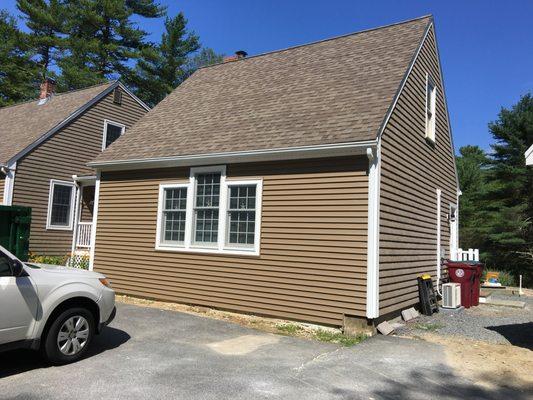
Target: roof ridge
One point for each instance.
(322, 40)
(61, 94)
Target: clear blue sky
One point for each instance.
(486, 46)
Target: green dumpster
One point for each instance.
(15, 230)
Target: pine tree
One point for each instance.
(472, 168)
(45, 20)
(204, 58)
(103, 39)
(510, 191)
(18, 73)
(166, 66)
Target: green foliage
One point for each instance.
(497, 203)
(45, 20)
(81, 43)
(289, 329)
(44, 259)
(428, 326)
(18, 72)
(165, 66)
(337, 337)
(103, 39)
(204, 58)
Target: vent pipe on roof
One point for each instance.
(48, 88)
(239, 55)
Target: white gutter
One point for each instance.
(287, 153)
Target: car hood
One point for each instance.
(59, 269)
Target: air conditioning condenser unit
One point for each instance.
(451, 295)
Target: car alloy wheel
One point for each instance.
(73, 335)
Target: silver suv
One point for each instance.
(56, 310)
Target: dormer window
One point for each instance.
(112, 131)
(431, 96)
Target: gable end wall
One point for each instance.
(411, 171)
(64, 154)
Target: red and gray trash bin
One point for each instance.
(468, 274)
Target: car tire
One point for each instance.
(69, 336)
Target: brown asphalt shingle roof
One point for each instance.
(23, 124)
(334, 91)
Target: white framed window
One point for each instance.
(60, 213)
(210, 214)
(112, 131)
(431, 98)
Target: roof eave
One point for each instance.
(288, 153)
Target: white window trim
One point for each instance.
(431, 132)
(49, 225)
(104, 134)
(221, 247)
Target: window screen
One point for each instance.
(61, 204)
(174, 212)
(206, 208)
(241, 215)
(113, 132)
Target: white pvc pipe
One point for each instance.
(438, 240)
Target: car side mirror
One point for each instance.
(17, 268)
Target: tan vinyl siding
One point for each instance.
(312, 264)
(411, 171)
(66, 153)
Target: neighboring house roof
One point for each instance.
(529, 155)
(333, 91)
(22, 126)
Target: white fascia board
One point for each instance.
(372, 273)
(288, 153)
(64, 123)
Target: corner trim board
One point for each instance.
(95, 219)
(9, 184)
(372, 274)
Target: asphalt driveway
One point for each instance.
(149, 353)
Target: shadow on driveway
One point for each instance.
(443, 384)
(18, 361)
(517, 334)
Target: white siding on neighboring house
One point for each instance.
(529, 155)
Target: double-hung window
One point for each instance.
(210, 214)
(60, 205)
(431, 98)
(112, 131)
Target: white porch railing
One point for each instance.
(467, 255)
(84, 234)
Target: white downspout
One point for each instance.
(76, 216)
(372, 273)
(439, 193)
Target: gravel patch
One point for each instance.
(494, 324)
